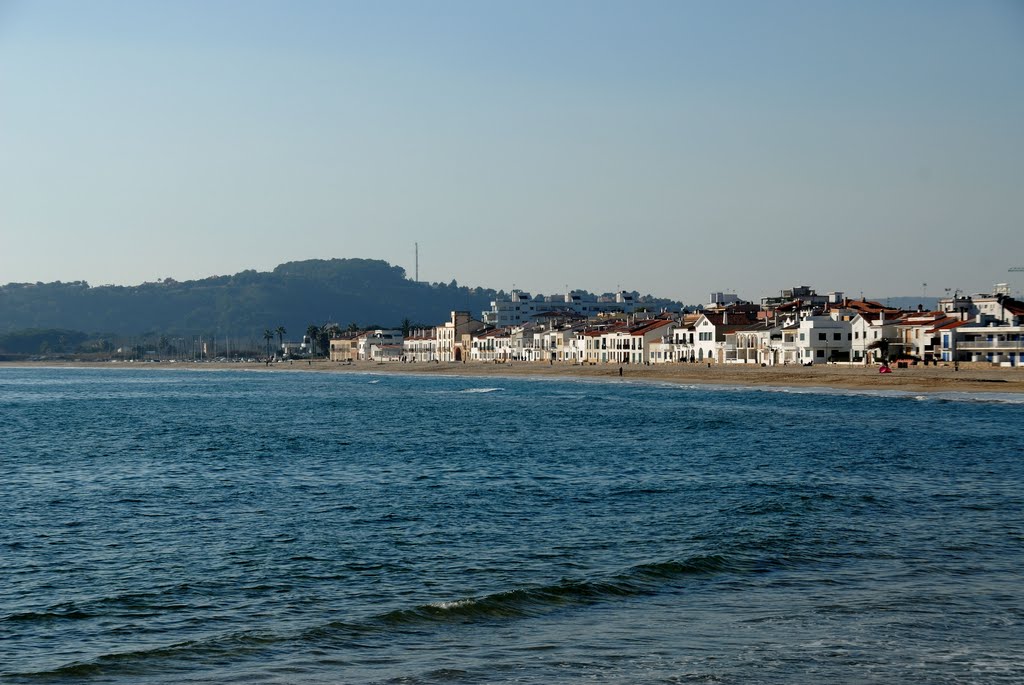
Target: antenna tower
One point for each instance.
(417, 262)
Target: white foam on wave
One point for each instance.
(949, 396)
(454, 604)
(479, 390)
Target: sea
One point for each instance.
(196, 526)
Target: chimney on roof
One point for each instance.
(725, 317)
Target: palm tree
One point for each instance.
(313, 332)
(280, 336)
(268, 335)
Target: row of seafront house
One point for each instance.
(797, 327)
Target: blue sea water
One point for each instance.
(275, 527)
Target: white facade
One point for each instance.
(377, 338)
(525, 344)
(869, 336)
(704, 345)
(421, 346)
(622, 344)
(977, 342)
(491, 346)
(719, 299)
(520, 308)
(821, 339)
(683, 344)
(450, 336)
(386, 353)
(756, 344)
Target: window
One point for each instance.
(837, 336)
(801, 336)
(821, 353)
(822, 336)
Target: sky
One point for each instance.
(673, 148)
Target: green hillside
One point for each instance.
(294, 295)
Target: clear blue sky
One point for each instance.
(668, 147)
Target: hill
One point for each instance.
(293, 295)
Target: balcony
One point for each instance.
(990, 345)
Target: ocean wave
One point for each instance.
(519, 603)
(131, 604)
(939, 397)
(481, 390)
(145, 661)
(46, 616)
(640, 580)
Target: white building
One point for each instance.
(871, 334)
(711, 329)
(525, 343)
(515, 309)
(453, 337)
(718, 300)
(993, 342)
(420, 345)
(917, 335)
(821, 339)
(758, 343)
(681, 343)
(491, 345)
(378, 338)
(520, 308)
(624, 343)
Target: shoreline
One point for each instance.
(931, 379)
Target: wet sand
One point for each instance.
(913, 379)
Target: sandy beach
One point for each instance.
(912, 379)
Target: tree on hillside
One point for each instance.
(233, 304)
